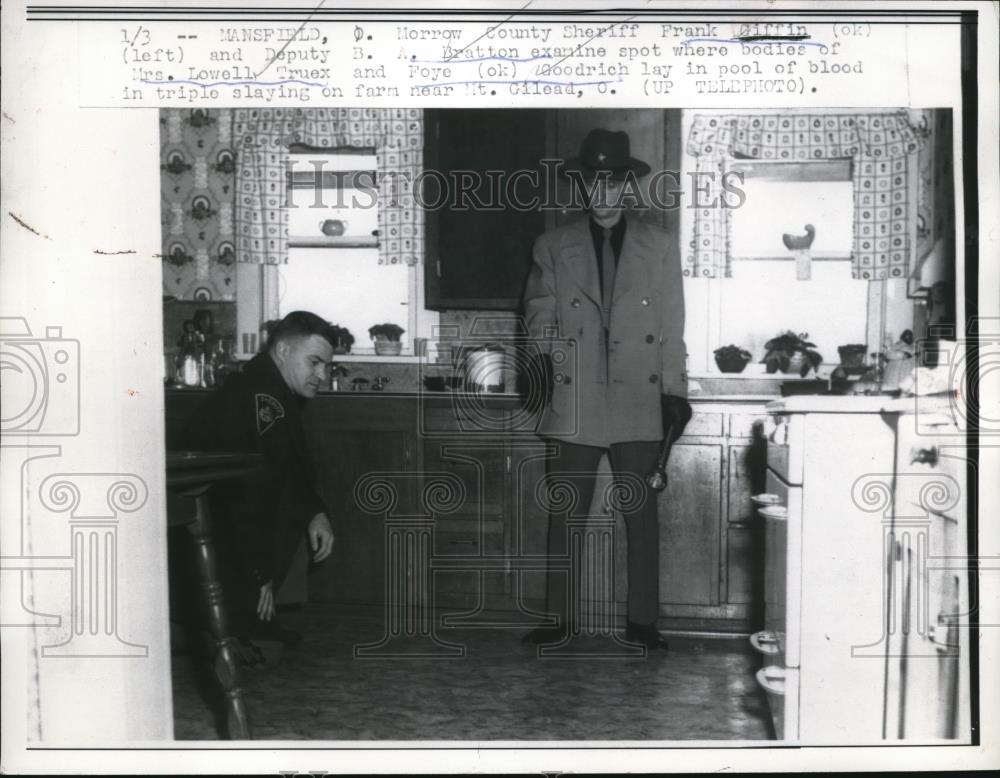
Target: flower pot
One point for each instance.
(731, 364)
(852, 356)
(388, 348)
(795, 363)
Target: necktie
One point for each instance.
(607, 278)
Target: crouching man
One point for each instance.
(260, 521)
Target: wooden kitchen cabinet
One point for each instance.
(489, 551)
(478, 256)
(711, 551)
(690, 511)
(711, 542)
(352, 437)
(500, 528)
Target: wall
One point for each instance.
(87, 264)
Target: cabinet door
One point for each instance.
(690, 514)
(350, 438)
(355, 573)
(478, 256)
(528, 519)
(476, 529)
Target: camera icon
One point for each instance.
(499, 379)
(967, 372)
(39, 380)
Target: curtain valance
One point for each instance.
(878, 144)
(263, 136)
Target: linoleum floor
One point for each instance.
(702, 689)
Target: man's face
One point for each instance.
(304, 363)
(606, 205)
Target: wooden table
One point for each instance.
(190, 477)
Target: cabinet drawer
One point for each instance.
(704, 424)
(741, 425)
(454, 537)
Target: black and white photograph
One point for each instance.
(384, 389)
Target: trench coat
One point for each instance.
(607, 394)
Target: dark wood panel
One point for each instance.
(478, 257)
(351, 437)
(479, 466)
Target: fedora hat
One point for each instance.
(604, 151)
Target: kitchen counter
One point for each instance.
(506, 398)
(936, 405)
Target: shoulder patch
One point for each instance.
(269, 410)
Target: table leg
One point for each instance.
(226, 666)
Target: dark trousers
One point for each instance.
(576, 466)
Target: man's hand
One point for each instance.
(265, 604)
(676, 415)
(320, 537)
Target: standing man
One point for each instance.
(260, 521)
(614, 285)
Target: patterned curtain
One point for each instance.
(263, 136)
(878, 143)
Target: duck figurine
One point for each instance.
(799, 242)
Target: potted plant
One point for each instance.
(732, 359)
(343, 339)
(386, 337)
(853, 354)
(791, 353)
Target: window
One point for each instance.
(782, 198)
(763, 297)
(333, 256)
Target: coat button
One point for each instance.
(650, 338)
(575, 302)
(645, 301)
(653, 379)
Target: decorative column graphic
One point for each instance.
(18, 563)
(93, 501)
(39, 400)
(907, 558)
(590, 565)
(409, 629)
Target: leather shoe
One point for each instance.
(646, 634)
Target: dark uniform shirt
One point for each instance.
(256, 412)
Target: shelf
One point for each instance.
(333, 243)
